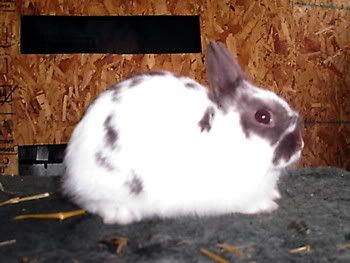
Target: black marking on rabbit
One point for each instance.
(111, 135)
(280, 120)
(135, 185)
(103, 161)
(136, 81)
(156, 73)
(223, 85)
(115, 92)
(191, 85)
(206, 121)
(290, 144)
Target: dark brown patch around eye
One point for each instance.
(111, 135)
(103, 161)
(255, 112)
(263, 116)
(135, 185)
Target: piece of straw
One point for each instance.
(213, 256)
(7, 242)
(60, 215)
(16, 200)
(343, 246)
(302, 249)
(230, 248)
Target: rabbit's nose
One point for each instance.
(300, 143)
(299, 127)
(296, 119)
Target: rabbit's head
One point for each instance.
(262, 114)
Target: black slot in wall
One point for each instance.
(110, 34)
(41, 160)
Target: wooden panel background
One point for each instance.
(322, 43)
(299, 49)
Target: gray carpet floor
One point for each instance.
(311, 225)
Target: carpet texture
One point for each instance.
(311, 225)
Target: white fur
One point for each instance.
(183, 170)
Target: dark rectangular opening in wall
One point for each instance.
(110, 34)
(41, 159)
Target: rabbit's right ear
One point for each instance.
(224, 73)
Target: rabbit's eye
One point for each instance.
(263, 116)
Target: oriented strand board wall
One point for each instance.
(322, 44)
(8, 87)
(300, 51)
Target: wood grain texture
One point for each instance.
(298, 50)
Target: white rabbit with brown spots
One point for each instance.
(162, 145)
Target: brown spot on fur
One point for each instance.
(289, 145)
(155, 73)
(116, 86)
(102, 161)
(191, 85)
(111, 135)
(115, 89)
(136, 81)
(206, 121)
(135, 185)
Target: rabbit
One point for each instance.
(162, 145)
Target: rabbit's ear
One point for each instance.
(224, 73)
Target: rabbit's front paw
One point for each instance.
(267, 206)
(118, 215)
(276, 194)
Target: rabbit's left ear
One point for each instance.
(224, 73)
